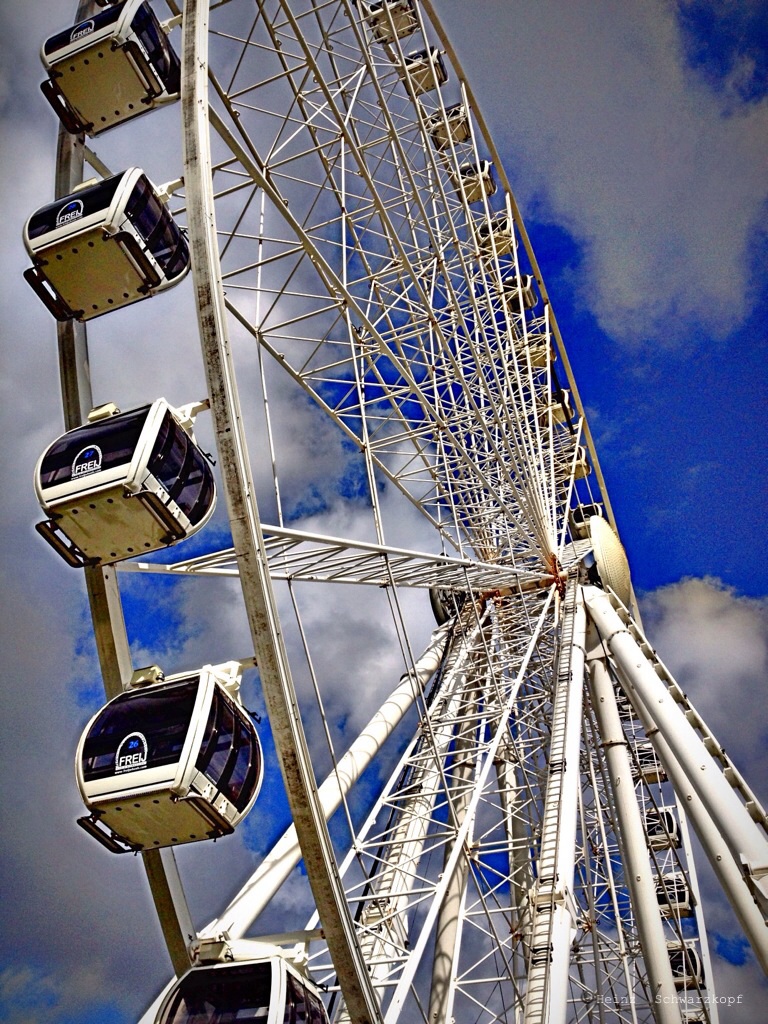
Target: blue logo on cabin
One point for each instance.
(83, 29)
(72, 211)
(131, 754)
(87, 461)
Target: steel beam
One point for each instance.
(260, 604)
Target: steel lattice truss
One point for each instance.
(387, 284)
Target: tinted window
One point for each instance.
(169, 453)
(230, 754)
(315, 1010)
(90, 200)
(217, 755)
(99, 21)
(160, 713)
(245, 767)
(295, 1003)
(195, 496)
(144, 208)
(204, 496)
(159, 50)
(223, 995)
(179, 259)
(155, 225)
(182, 469)
(115, 437)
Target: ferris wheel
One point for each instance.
(354, 243)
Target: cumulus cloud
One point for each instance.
(658, 177)
(715, 643)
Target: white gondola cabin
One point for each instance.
(423, 71)
(123, 485)
(390, 19)
(496, 236)
(560, 410)
(662, 829)
(570, 462)
(110, 68)
(476, 181)
(451, 127)
(109, 244)
(519, 293)
(578, 519)
(446, 604)
(170, 762)
(687, 968)
(268, 989)
(624, 706)
(648, 766)
(674, 895)
(539, 350)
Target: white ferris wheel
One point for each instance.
(354, 241)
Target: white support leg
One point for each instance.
(249, 903)
(546, 1000)
(638, 873)
(726, 869)
(728, 815)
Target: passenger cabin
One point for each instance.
(423, 71)
(519, 293)
(110, 68)
(539, 350)
(674, 895)
(169, 762)
(124, 484)
(581, 466)
(390, 19)
(648, 766)
(624, 706)
(662, 829)
(578, 519)
(687, 968)
(560, 410)
(268, 990)
(475, 181)
(108, 244)
(453, 127)
(446, 604)
(496, 236)
(570, 461)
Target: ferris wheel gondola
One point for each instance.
(109, 244)
(253, 982)
(110, 68)
(124, 484)
(390, 19)
(169, 762)
(519, 292)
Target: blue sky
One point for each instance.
(635, 139)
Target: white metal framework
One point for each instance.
(527, 856)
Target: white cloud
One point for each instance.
(660, 180)
(715, 643)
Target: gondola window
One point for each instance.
(116, 438)
(239, 993)
(162, 717)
